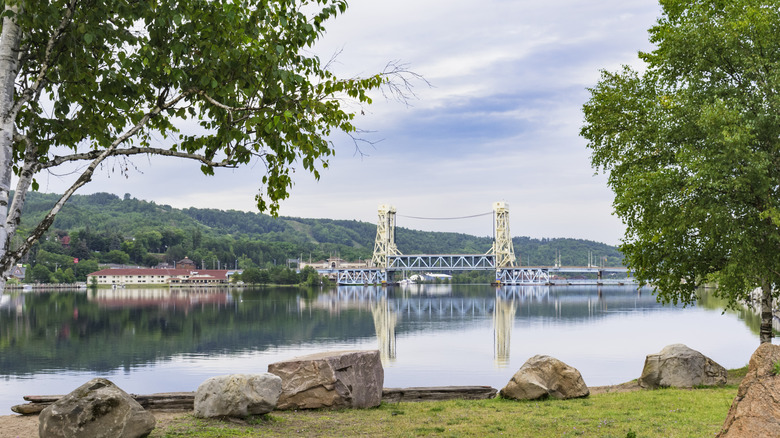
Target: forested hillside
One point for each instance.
(104, 228)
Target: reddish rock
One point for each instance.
(339, 379)
(755, 411)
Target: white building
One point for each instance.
(148, 276)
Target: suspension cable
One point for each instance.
(445, 218)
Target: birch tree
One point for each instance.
(82, 81)
(692, 148)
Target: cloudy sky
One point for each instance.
(500, 121)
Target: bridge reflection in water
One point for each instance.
(417, 302)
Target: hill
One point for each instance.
(104, 228)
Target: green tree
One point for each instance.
(151, 240)
(84, 268)
(309, 276)
(40, 274)
(64, 276)
(115, 256)
(83, 82)
(692, 149)
(252, 276)
(135, 250)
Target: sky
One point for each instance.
(500, 121)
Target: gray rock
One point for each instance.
(96, 409)
(339, 379)
(544, 376)
(681, 367)
(756, 409)
(237, 395)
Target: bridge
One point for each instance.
(387, 259)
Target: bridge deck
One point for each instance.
(441, 262)
(517, 275)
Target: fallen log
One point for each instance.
(438, 393)
(164, 401)
(42, 398)
(30, 408)
(185, 401)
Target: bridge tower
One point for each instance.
(384, 245)
(502, 243)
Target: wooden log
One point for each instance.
(42, 398)
(164, 401)
(167, 400)
(185, 401)
(30, 408)
(437, 393)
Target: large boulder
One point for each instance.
(755, 411)
(339, 379)
(681, 367)
(237, 395)
(95, 409)
(544, 376)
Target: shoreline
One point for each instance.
(20, 426)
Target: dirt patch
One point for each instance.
(22, 426)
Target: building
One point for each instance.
(185, 263)
(150, 277)
(18, 272)
(331, 266)
(335, 263)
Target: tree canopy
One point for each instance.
(82, 81)
(692, 148)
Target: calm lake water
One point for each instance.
(160, 340)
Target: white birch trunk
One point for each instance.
(9, 67)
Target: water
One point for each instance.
(160, 340)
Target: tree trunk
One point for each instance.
(766, 313)
(9, 67)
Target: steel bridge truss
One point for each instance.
(441, 262)
(362, 276)
(517, 276)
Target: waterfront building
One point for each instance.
(149, 277)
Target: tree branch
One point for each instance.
(58, 160)
(218, 104)
(399, 82)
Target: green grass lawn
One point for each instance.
(659, 413)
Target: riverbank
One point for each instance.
(666, 412)
(612, 410)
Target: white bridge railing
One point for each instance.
(441, 262)
(362, 276)
(511, 276)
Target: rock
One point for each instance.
(543, 376)
(95, 409)
(681, 367)
(339, 379)
(237, 395)
(755, 411)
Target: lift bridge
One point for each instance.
(387, 259)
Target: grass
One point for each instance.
(665, 412)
